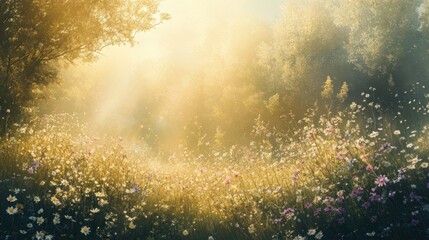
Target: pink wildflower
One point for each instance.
(369, 167)
(381, 181)
(227, 180)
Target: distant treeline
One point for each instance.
(240, 71)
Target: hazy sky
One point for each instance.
(176, 40)
(266, 9)
(192, 19)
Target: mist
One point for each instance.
(151, 84)
(203, 77)
(243, 119)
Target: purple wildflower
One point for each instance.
(136, 188)
(308, 205)
(415, 197)
(329, 208)
(414, 222)
(374, 197)
(366, 205)
(328, 199)
(288, 212)
(384, 147)
(357, 192)
(317, 212)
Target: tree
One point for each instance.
(363, 42)
(39, 36)
(306, 46)
(424, 18)
(379, 32)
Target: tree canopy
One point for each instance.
(36, 36)
(359, 41)
(379, 32)
(306, 46)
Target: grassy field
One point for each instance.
(358, 172)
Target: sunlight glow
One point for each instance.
(177, 49)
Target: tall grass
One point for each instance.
(355, 172)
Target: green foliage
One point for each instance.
(342, 94)
(424, 18)
(306, 46)
(273, 103)
(362, 41)
(328, 89)
(37, 36)
(379, 32)
(237, 71)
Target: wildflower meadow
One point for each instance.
(214, 120)
(360, 171)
